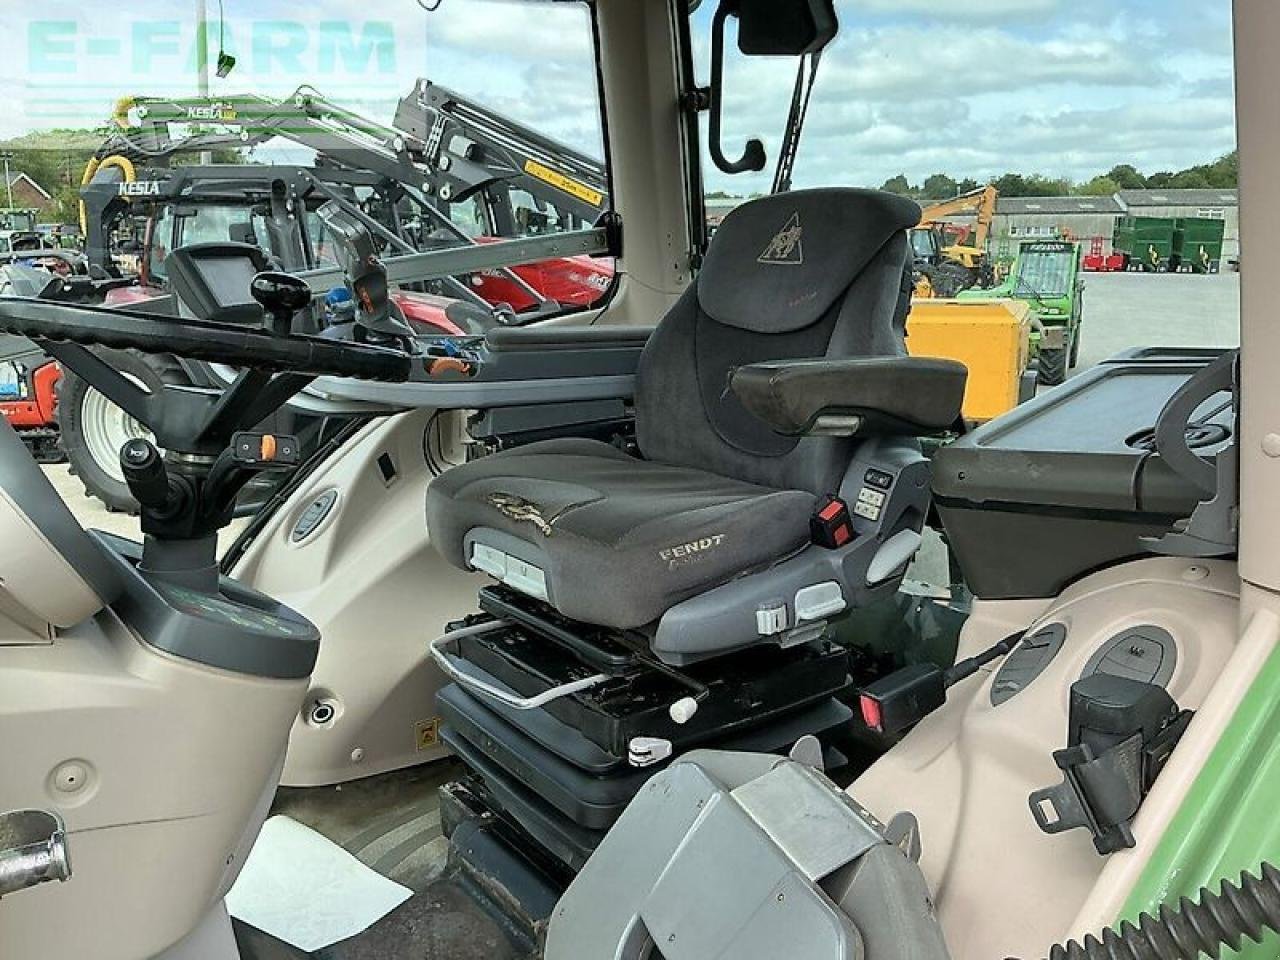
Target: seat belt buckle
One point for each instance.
(831, 526)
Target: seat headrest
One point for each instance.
(778, 264)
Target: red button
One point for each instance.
(831, 510)
(871, 713)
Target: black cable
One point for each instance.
(967, 668)
(1194, 928)
(427, 455)
(800, 96)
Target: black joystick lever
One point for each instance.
(148, 479)
(282, 295)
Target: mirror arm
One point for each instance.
(753, 156)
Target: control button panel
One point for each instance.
(1145, 653)
(878, 479)
(870, 503)
(313, 516)
(1027, 661)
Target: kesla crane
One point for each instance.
(148, 130)
(146, 140)
(473, 152)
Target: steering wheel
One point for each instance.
(225, 343)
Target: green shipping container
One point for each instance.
(1200, 244)
(1147, 243)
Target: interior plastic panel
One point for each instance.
(967, 771)
(1070, 482)
(1145, 653)
(1027, 662)
(510, 368)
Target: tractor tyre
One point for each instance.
(1075, 348)
(93, 429)
(1053, 366)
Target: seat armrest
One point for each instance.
(904, 396)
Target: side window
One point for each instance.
(323, 251)
(161, 243)
(534, 217)
(469, 217)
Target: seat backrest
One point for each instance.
(801, 275)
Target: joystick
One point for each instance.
(282, 295)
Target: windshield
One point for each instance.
(17, 220)
(1047, 272)
(486, 110)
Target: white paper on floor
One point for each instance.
(304, 889)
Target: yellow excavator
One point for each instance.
(992, 337)
(944, 268)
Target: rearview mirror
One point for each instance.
(784, 28)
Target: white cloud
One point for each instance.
(914, 86)
(980, 11)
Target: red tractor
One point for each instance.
(28, 401)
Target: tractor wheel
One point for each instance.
(94, 429)
(1053, 366)
(1075, 347)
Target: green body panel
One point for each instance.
(1228, 821)
(1147, 240)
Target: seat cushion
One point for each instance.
(619, 540)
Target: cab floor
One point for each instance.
(391, 823)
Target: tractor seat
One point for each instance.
(720, 503)
(606, 538)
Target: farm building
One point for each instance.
(26, 193)
(1038, 218)
(1089, 218)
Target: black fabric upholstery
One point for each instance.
(916, 393)
(779, 264)
(803, 275)
(687, 414)
(628, 539)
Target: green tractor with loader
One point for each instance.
(1046, 275)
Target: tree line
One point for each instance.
(1222, 173)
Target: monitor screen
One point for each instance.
(212, 281)
(228, 278)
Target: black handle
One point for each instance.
(145, 473)
(753, 155)
(282, 295)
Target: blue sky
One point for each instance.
(1059, 87)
